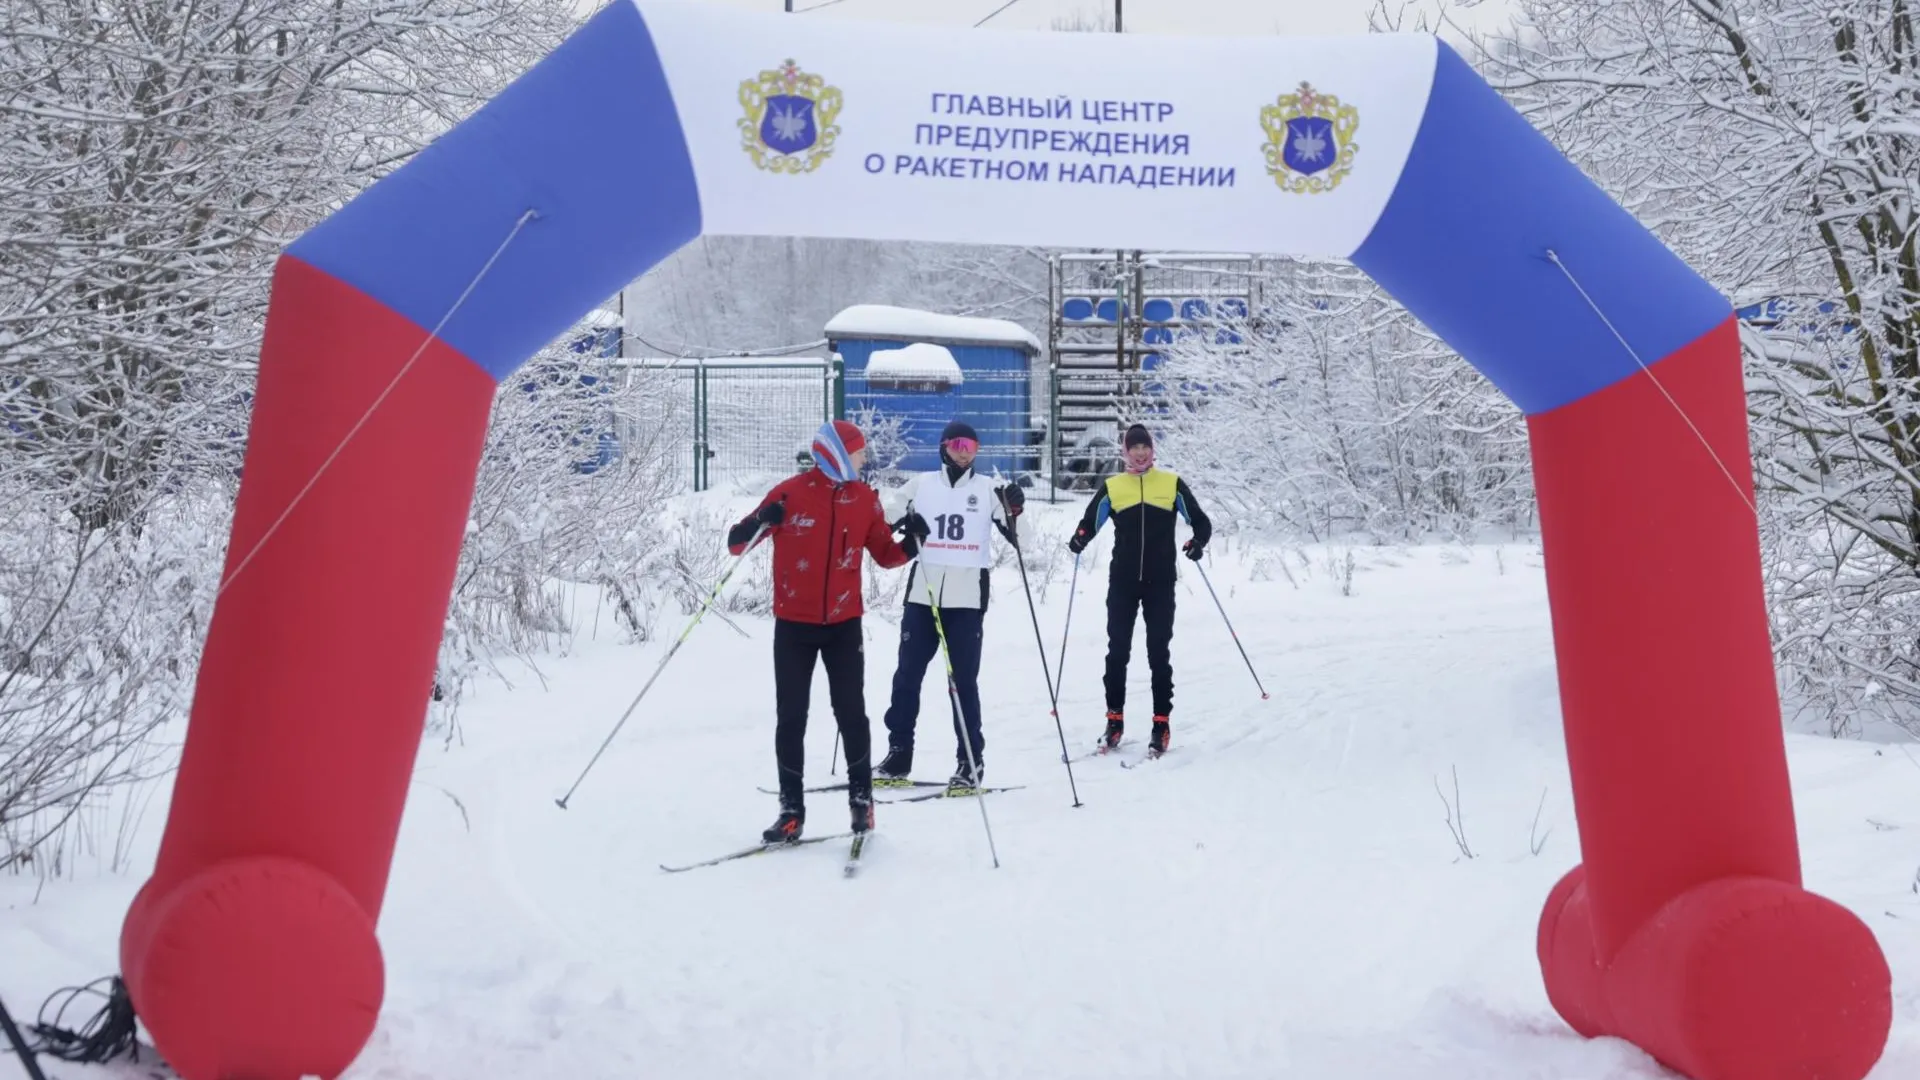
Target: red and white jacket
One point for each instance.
(817, 546)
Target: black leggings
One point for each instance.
(840, 647)
(1154, 599)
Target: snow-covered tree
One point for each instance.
(1336, 415)
(1775, 144)
(155, 156)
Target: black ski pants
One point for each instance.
(840, 647)
(919, 645)
(1127, 596)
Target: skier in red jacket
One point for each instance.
(820, 521)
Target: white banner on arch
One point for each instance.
(817, 127)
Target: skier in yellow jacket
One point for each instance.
(1142, 503)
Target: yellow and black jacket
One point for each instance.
(1143, 507)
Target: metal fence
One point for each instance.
(742, 420)
(746, 421)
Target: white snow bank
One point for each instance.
(1271, 888)
(918, 362)
(906, 324)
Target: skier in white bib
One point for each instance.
(953, 512)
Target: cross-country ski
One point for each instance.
(952, 793)
(878, 785)
(757, 849)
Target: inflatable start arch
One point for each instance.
(251, 952)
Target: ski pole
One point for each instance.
(20, 1047)
(1053, 692)
(681, 640)
(960, 722)
(1072, 586)
(833, 763)
(1229, 622)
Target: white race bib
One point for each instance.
(959, 520)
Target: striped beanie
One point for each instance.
(833, 448)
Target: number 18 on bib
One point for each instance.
(960, 523)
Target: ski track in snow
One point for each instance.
(1278, 897)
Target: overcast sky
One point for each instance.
(1141, 16)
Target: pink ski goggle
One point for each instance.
(964, 445)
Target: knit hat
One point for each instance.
(1137, 435)
(958, 429)
(850, 436)
(833, 448)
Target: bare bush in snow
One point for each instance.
(887, 446)
(1456, 813)
(98, 633)
(562, 501)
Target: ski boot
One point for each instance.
(966, 780)
(787, 827)
(1162, 734)
(861, 808)
(1115, 726)
(893, 772)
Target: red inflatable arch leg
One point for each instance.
(251, 951)
(1686, 929)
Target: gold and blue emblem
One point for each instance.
(789, 123)
(1310, 146)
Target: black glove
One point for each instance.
(750, 526)
(1015, 499)
(913, 529)
(1194, 549)
(1079, 541)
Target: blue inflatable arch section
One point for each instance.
(251, 950)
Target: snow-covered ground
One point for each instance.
(1279, 897)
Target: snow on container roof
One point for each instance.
(918, 362)
(880, 322)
